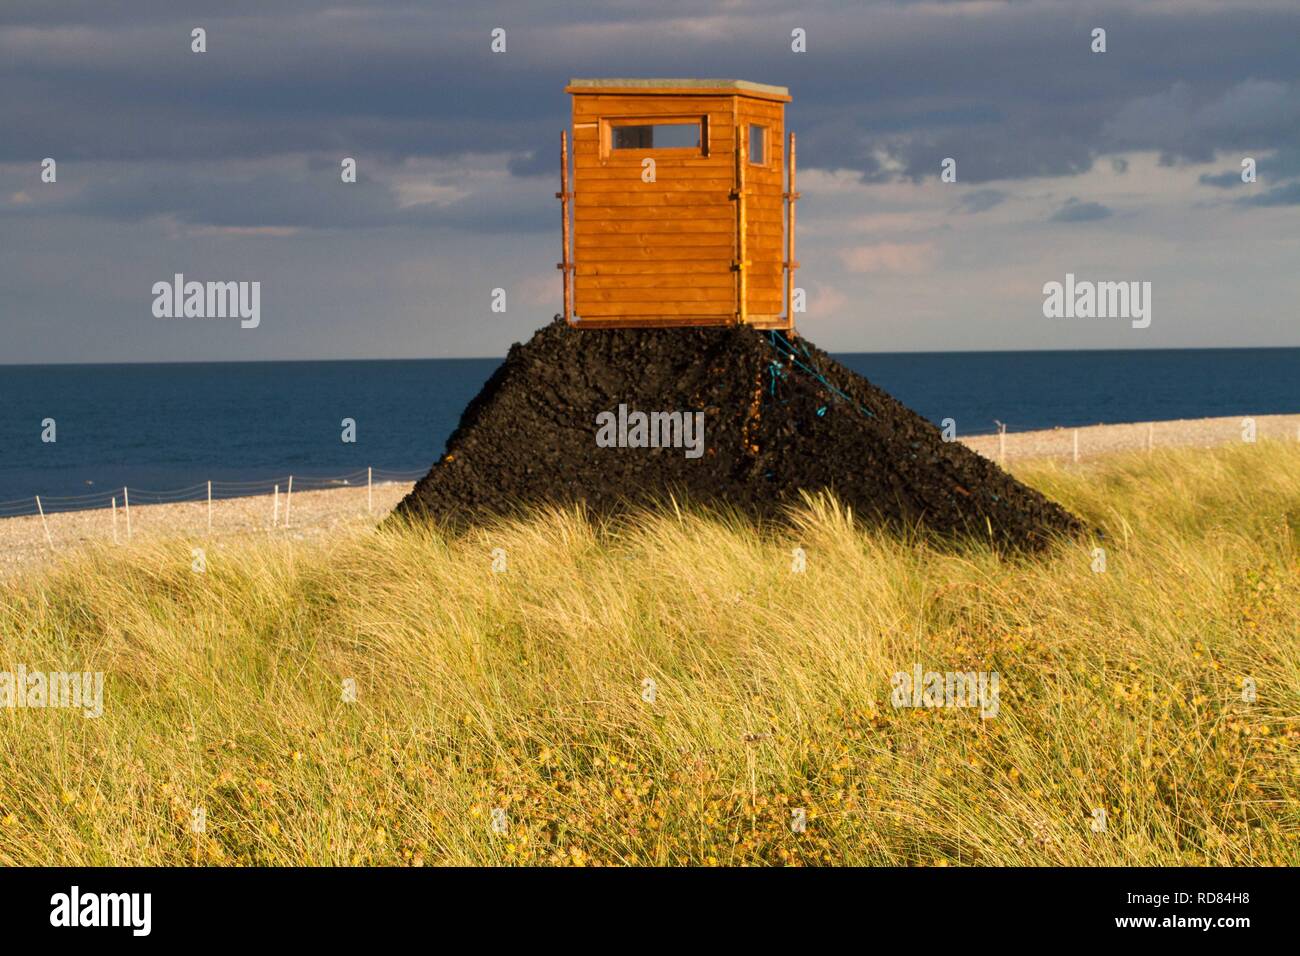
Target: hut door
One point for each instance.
(652, 214)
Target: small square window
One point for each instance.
(757, 145)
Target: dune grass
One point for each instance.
(516, 700)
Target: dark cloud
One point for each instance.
(1010, 91)
(1222, 180)
(1288, 195)
(302, 196)
(981, 200)
(536, 163)
(1076, 211)
(1185, 125)
(1278, 168)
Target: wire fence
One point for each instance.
(203, 491)
(1067, 441)
(1087, 441)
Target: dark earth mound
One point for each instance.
(780, 416)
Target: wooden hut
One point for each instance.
(677, 210)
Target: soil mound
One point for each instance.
(779, 415)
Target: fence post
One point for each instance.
(115, 519)
(44, 524)
(1076, 446)
(126, 500)
(288, 495)
(1002, 444)
(370, 494)
(275, 513)
(209, 506)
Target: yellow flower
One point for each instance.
(68, 796)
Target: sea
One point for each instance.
(165, 430)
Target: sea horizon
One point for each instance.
(164, 426)
(476, 358)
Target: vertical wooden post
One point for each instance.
(564, 195)
(1002, 444)
(790, 263)
(742, 226)
(288, 500)
(115, 519)
(1076, 446)
(44, 524)
(275, 510)
(370, 494)
(126, 501)
(209, 506)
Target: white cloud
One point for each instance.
(906, 258)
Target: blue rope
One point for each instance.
(786, 348)
(775, 371)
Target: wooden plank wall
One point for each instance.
(765, 212)
(664, 249)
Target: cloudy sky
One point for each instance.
(1123, 165)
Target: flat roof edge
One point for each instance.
(674, 84)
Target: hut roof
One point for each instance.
(676, 85)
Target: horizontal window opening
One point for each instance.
(656, 136)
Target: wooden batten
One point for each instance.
(566, 262)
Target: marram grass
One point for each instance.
(517, 699)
